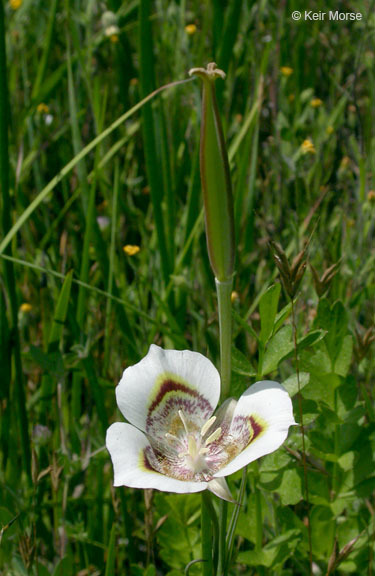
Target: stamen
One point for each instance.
(214, 436)
(181, 415)
(207, 425)
(175, 439)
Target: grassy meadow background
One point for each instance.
(102, 256)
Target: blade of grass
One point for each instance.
(152, 151)
(54, 342)
(47, 43)
(107, 342)
(43, 194)
(8, 265)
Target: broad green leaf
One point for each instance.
(291, 383)
(241, 364)
(290, 490)
(344, 357)
(334, 320)
(323, 530)
(275, 553)
(268, 309)
(278, 347)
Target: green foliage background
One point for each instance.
(75, 309)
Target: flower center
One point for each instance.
(192, 446)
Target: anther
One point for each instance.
(214, 436)
(207, 425)
(181, 415)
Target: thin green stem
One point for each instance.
(222, 556)
(224, 290)
(300, 410)
(206, 538)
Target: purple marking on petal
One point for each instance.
(173, 396)
(171, 386)
(257, 428)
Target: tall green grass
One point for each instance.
(110, 164)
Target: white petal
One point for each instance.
(165, 381)
(267, 408)
(219, 487)
(126, 446)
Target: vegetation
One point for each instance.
(103, 252)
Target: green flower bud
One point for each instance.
(215, 178)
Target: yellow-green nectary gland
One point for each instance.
(215, 178)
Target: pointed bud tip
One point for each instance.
(211, 72)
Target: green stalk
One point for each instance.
(206, 538)
(20, 398)
(219, 217)
(223, 291)
(222, 556)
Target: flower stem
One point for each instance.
(206, 539)
(221, 561)
(224, 290)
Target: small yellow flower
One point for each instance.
(344, 162)
(190, 29)
(42, 108)
(316, 102)
(131, 249)
(291, 97)
(26, 307)
(234, 296)
(286, 70)
(15, 4)
(114, 38)
(308, 147)
(330, 130)
(371, 195)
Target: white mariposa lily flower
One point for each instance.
(173, 442)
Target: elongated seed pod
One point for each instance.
(215, 179)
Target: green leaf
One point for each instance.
(290, 490)
(278, 347)
(291, 383)
(275, 553)
(241, 364)
(60, 313)
(111, 555)
(268, 309)
(344, 357)
(334, 320)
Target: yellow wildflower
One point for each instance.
(308, 147)
(316, 102)
(113, 38)
(190, 29)
(286, 70)
(15, 4)
(344, 162)
(131, 249)
(234, 296)
(291, 97)
(42, 108)
(330, 130)
(26, 307)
